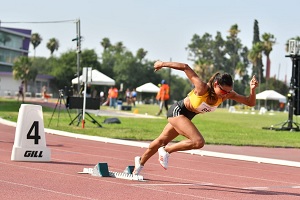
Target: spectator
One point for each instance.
(101, 97)
(128, 96)
(113, 94)
(133, 97)
(21, 91)
(163, 96)
(44, 92)
(89, 90)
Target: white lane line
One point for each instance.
(43, 189)
(173, 184)
(273, 187)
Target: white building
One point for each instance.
(13, 44)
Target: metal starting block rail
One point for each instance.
(101, 170)
(123, 175)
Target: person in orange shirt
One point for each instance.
(163, 96)
(113, 94)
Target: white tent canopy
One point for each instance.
(98, 78)
(148, 87)
(271, 95)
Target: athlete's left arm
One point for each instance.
(247, 100)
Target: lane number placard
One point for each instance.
(34, 135)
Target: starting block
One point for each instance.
(101, 170)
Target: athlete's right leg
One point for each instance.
(167, 135)
(186, 128)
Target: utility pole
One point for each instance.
(78, 51)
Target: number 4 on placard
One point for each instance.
(34, 136)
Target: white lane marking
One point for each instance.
(273, 187)
(43, 189)
(173, 184)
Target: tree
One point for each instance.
(233, 46)
(241, 70)
(108, 57)
(268, 42)
(258, 68)
(22, 70)
(204, 69)
(119, 48)
(200, 48)
(53, 45)
(89, 58)
(64, 68)
(255, 55)
(42, 65)
(211, 55)
(105, 43)
(201, 52)
(141, 54)
(35, 40)
(219, 53)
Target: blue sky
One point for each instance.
(164, 28)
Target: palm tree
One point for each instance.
(240, 69)
(268, 41)
(53, 45)
(35, 40)
(232, 48)
(119, 47)
(234, 31)
(105, 43)
(255, 55)
(22, 70)
(140, 54)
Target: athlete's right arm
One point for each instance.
(200, 86)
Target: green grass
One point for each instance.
(220, 127)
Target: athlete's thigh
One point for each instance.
(185, 127)
(168, 134)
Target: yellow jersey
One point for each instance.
(200, 104)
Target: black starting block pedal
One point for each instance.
(101, 169)
(129, 169)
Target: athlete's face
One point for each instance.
(222, 90)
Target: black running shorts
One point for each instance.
(179, 109)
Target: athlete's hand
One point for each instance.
(158, 65)
(253, 83)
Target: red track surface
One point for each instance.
(188, 176)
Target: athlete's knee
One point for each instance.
(199, 143)
(162, 142)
